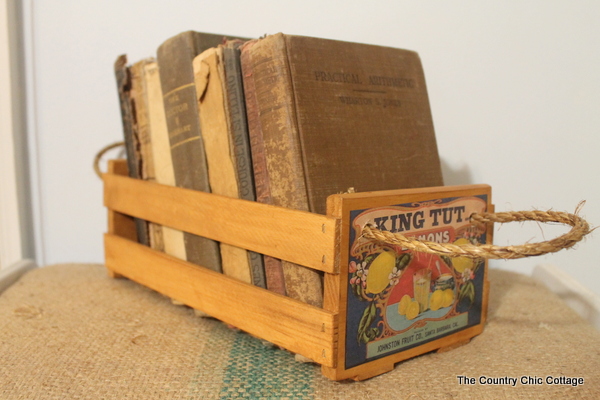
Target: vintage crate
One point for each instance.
(360, 331)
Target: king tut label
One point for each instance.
(399, 299)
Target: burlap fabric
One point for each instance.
(70, 332)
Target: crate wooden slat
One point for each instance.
(118, 223)
(301, 237)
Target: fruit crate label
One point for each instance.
(399, 299)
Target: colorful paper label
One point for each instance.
(399, 299)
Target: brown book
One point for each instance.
(129, 119)
(175, 58)
(173, 240)
(337, 115)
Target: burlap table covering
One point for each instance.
(70, 332)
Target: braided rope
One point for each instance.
(101, 153)
(579, 230)
(569, 239)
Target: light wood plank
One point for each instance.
(335, 286)
(118, 223)
(386, 364)
(296, 326)
(385, 197)
(301, 237)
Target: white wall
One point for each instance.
(514, 90)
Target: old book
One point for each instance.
(225, 137)
(240, 140)
(175, 58)
(293, 280)
(124, 80)
(139, 100)
(173, 240)
(274, 278)
(338, 115)
(217, 144)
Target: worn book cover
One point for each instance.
(175, 58)
(129, 120)
(139, 98)
(337, 116)
(221, 150)
(173, 240)
(273, 267)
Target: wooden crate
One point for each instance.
(326, 335)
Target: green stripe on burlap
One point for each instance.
(257, 370)
(206, 383)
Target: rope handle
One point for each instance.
(101, 153)
(580, 228)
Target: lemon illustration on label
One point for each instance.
(448, 298)
(403, 305)
(462, 263)
(436, 300)
(412, 310)
(379, 272)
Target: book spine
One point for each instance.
(147, 170)
(273, 269)
(173, 240)
(128, 119)
(216, 138)
(282, 152)
(175, 58)
(240, 143)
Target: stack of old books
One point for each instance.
(284, 120)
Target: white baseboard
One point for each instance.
(578, 297)
(12, 274)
